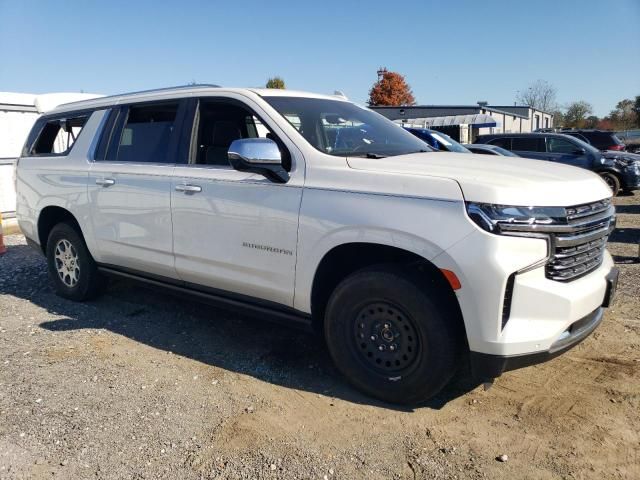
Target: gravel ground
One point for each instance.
(141, 384)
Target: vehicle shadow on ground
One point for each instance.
(628, 209)
(227, 339)
(625, 235)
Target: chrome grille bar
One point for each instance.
(578, 246)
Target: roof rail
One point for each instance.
(152, 90)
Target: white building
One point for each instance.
(18, 112)
(466, 122)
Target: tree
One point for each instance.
(636, 109)
(558, 117)
(624, 116)
(540, 95)
(276, 82)
(605, 124)
(391, 89)
(591, 121)
(577, 113)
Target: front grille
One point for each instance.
(578, 243)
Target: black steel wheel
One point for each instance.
(393, 334)
(386, 338)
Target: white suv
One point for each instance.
(311, 209)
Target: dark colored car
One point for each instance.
(485, 149)
(617, 171)
(437, 140)
(601, 139)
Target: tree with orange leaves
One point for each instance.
(391, 89)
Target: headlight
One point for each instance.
(508, 219)
(627, 162)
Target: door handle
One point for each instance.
(105, 182)
(186, 188)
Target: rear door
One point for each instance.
(564, 150)
(130, 187)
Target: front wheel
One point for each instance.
(391, 335)
(71, 268)
(613, 181)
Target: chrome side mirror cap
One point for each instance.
(258, 155)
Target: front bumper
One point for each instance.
(631, 178)
(485, 367)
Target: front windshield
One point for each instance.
(344, 129)
(504, 152)
(449, 143)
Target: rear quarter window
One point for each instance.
(602, 140)
(57, 135)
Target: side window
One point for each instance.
(146, 134)
(504, 142)
(217, 124)
(294, 120)
(58, 135)
(255, 128)
(560, 145)
(527, 144)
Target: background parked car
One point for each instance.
(601, 139)
(617, 171)
(631, 138)
(437, 140)
(485, 149)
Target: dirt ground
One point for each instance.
(140, 384)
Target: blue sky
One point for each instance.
(453, 52)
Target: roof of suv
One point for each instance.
(532, 134)
(587, 130)
(183, 91)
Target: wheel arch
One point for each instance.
(347, 258)
(619, 176)
(49, 217)
(609, 169)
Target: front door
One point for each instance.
(235, 231)
(130, 189)
(563, 150)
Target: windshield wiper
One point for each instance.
(373, 155)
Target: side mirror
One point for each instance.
(258, 155)
(579, 151)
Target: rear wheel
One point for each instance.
(392, 337)
(71, 268)
(613, 181)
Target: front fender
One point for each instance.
(425, 227)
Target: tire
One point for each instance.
(71, 268)
(392, 335)
(613, 181)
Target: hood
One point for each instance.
(499, 180)
(615, 155)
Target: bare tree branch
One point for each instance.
(540, 95)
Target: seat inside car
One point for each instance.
(224, 133)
